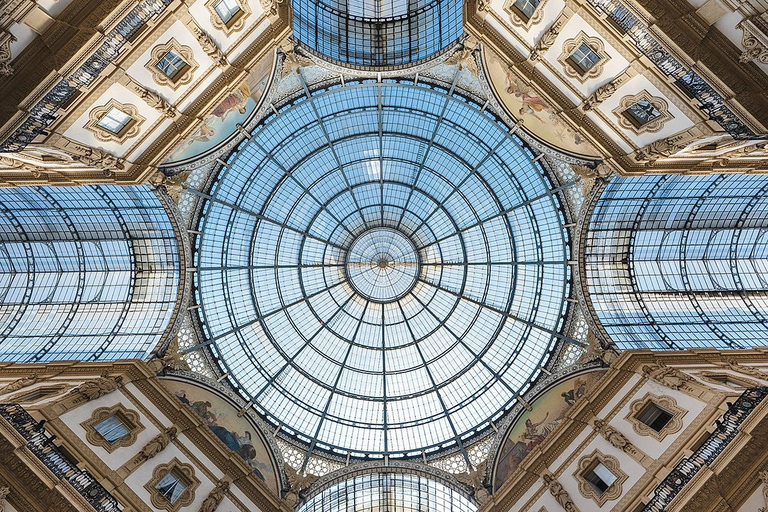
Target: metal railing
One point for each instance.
(724, 433)
(41, 444)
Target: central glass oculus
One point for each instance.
(382, 264)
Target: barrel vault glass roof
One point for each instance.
(382, 268)
(377, 33)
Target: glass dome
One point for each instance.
(382, 268)
(395, 492)
(377, 33)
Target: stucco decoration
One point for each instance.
(653, 125)
(571, 45)
(130, 130)
(236, 23)
(184, 76)
(187, 474)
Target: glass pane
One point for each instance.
(584, 58)
(112, 428)
(226, 9)
(526, 7)
(171, 486)
(114, 120)
(641, 113)
(171, 64)
(604, 474)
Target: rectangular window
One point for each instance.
(584, 58)
(171, 486)
(526, 7)
(171, 64)
(641, 113)
(113, 428)
(115, 121)
(600, 477)
(227, 10)
(654, 416)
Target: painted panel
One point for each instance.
(220, 123)
(533, 427)
(523, 102)
(221, 417)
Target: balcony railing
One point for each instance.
(726, 430)
(41, 444)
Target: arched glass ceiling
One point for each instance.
(86, 273)
(388, 492)
(377, 33)
(681, 261)
(382, 268)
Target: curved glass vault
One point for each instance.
(388, 492)
(382, 268)
(674, 262)
(86, 273)
(377, 33)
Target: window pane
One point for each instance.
(113, 428)
(171, 486)
(604, 474)
(114, 120)
(526, 7)
(642, 112)
(655, 417)
(171, 64)
(226, 9)
(584, 58)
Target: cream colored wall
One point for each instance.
(182, 448)
(8, 507)
(755, 501)
(119, 456)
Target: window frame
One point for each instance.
(571, 46)
(655, 124)
(183, 76)
(588, 489)
(129, 130)
(664, 402)
(185, 472)
(520, 18)
(234, 24)
(131, 419)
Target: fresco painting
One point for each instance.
(538, 116)
(221, 417)
(533, 427)
(235, 108)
